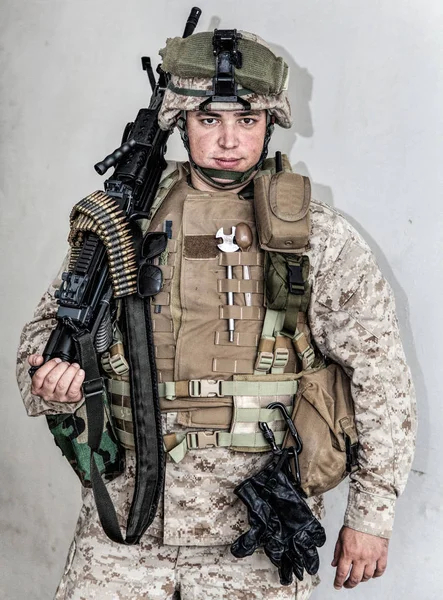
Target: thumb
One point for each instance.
(35, 360)
(337, 552)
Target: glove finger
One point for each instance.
(247, 493)
(247, 543)
(274, 550)
(306, 548)
(258, 508)
(318, 533)
(297, 562)
(285, 570)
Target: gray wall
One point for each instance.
(367, 89)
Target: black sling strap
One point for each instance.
(145, 406)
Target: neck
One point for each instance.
(199, 184)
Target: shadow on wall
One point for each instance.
(300, 95)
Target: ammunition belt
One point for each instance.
(100, 214)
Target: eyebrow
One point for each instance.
(240, 113)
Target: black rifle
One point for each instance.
(98, 272)
(86, 291)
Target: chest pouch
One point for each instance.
(281, 203)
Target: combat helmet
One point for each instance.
(224, 70)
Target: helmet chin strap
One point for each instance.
(233, 178)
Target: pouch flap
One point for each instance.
(290, 195)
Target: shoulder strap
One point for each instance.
(164, 187)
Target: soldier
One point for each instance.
(351, 315)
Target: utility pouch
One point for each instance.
(285, 274)
(323, 415)
(71, 436)
(282, 214)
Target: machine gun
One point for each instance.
(106, 246)
(99, 271)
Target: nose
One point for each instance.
(228, 136)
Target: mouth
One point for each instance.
(227, 163)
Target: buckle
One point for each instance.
(296, 284)
(264, 361)
(93, 387)
(202, 439)
(205, 388)
(281, 358)
(351, 455)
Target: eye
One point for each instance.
(208, 121)
(248, 121)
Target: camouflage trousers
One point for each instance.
(99, 569)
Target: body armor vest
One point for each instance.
(213, 383)
(208, 380)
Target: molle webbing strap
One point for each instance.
(273, 353)
(233, 259)
(100, 214)
(207, 388)
(241, 338)
(299, 293)
(201, 93)
(240, 286)
(237, 312)
(180, 443)
(199, 393)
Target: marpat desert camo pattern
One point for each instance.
(352, 319)
(97, 569)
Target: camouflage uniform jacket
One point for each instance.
(352, 320)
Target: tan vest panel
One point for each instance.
(191, 314)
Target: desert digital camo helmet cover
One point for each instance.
(260, 76)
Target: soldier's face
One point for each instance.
(230, 140)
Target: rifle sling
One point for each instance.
(147, 422)
(93, 389)
(146, 413)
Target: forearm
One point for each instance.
(33, 339)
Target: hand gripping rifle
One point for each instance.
(106, 245)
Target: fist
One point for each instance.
(56, 381)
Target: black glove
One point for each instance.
(280, 521)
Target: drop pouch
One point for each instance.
(282, 214)
(70, 433)
(323, 414)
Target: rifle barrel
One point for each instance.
(192, 21)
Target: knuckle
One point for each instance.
(51, 379)
(37, 380)
(72, 395)
(61, 388)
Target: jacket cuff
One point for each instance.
(38, 407)
(370, 513)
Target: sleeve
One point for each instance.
(353, 321)
(33, 339)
